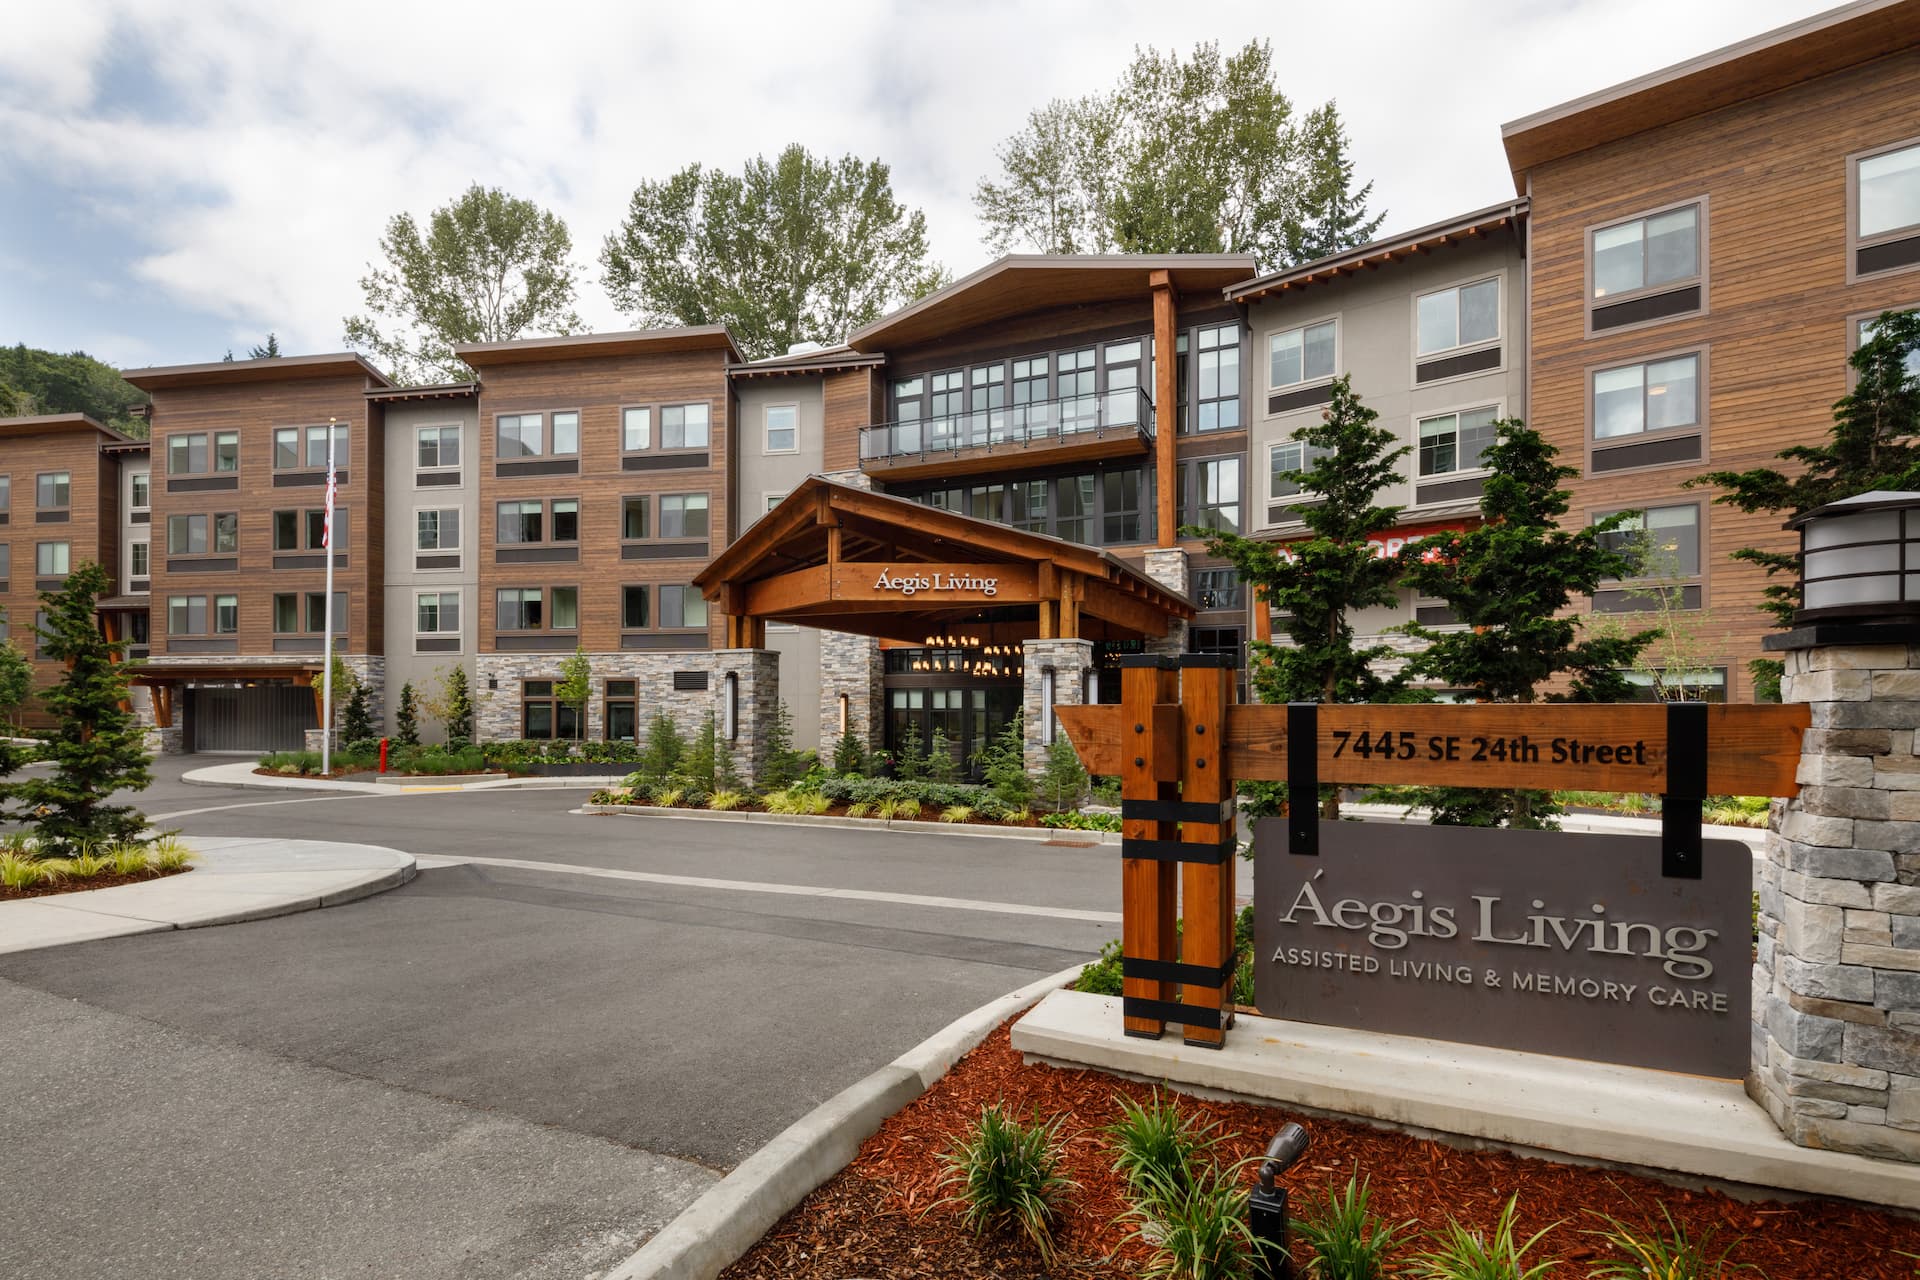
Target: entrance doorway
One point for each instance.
(967, 717)
(249, 718)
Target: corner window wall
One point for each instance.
(1100, 506)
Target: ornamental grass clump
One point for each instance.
(1664, 1255)
(1460, 1254)
(1155, 1141)
(1194, 1223)
(19, 869)
(1005, 1176)
(957, 813)
(725, 801)
(1349, 1241)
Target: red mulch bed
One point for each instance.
(81, 886)
(882, 1216)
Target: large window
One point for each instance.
(1887, 194)
(683, 515)
(520, 435)
(682, 606)
(305, 613)
(307, 530)
(1217, 408)
(1282, 458)
(53, 490)
(622, 719)
(1664, 546)
(1217, 589)
(436, 613)
(1661, 395)
(536, 609)
(52, 559)
(684, 426)
(633, 608)
(140, 491)
(1451, 442)
(566, 434)
(1295, 356)
(437, 529)
(1462, 316)
(191, 616)
(193, 452)
(783, 428)
(1120, 506)
(439, 448)
(636, 429)
(543, 715)
(633, 517)
(521, 521)
(1213, 493)
(186, 535)
(1659, 251)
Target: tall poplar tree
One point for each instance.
(1509, 582)
(1318, 583)
(797, 248)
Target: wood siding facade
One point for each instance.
(1775, 324)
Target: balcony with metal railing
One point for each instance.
(1111, 424)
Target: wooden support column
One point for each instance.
(1149, 887)
(1207, 881)
(1262, 615)
(1166, 406)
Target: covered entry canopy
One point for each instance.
(847, 559)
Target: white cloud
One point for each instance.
(266, 145)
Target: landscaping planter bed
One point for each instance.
(82, 886)
(883, 1215)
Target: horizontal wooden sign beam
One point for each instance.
(911, 582)
(1751, 750)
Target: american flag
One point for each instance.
(326, 532)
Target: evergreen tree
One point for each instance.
(1003, 764)
(942, 764)
(459, 703)
(783, 762)
(726, 775)
(1332, 215)
(406, 727)
(664, 749)
(849, 758)
(99, 748)
(359, 723)
(1509, 583)
(701, 763)
(1318, 583)
(1874, 444)
(910, 765)
(16, 678)
(1063, 783)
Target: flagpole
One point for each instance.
(326, 645)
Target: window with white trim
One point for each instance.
(436, 613)
(438, 448)
(437, 529)
(783, 428)
(1454, 442)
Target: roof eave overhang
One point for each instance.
(1478, 225)
(340, 364)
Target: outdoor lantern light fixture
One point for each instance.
(1860, 559)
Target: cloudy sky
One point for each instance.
(179, 178)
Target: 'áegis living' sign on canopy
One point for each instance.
(909, 582)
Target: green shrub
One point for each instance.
(1349, 1241)
(849, 757)
(1196, 1227)
(815, 804)
(957, 813)
(1075, 821)
(1006, 1176)
(1063, 782)
(698, 764)
(725, 801)
(664, 748)
(1102, 977)
(1003, 763)
(19, 869)
(943, 764)
(860, 809)
(1460, 1254)
(1105, 790)
(670, 797)
(1737, 811)
(406, 718)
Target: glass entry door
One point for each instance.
(969, 718)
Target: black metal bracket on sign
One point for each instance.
(1209, 660)
(1680, 854)
(1157, 661)
(1169, 1011)
(1177, 811)
(1210, 855)
(1303, 778)
(1197, 975)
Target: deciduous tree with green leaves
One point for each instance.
(1509, 582)
(35, 381)
(449, 700)
(1318, 583)
(574, 687)
(487, 267)
(794, 249)
(1201, 155)
(99, 747)
(1874, 444)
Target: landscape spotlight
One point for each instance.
(1267, 1205)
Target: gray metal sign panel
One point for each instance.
(1544, 941)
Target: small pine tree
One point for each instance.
(459, 701)
(575, 687)
(1003, 764)
(16, 678)
(1063, 783)
(942, 763)
(406, 726)
(359, 721)
(783, 762)
(665, 747)
(99, 748)
(700, 763)
(849, 759)
(726, 775)
(910, 763)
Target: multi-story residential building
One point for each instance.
(1705, 245)
(1675, 288)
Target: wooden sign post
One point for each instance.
(1179, 745)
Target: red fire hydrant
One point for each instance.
(383, 755)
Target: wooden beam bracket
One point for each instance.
(1686, 793)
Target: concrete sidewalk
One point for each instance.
(234, 879)
(240, 773)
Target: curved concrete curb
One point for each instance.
(241, 777)
(729, 1219)
(237, 879)
(1040, 835)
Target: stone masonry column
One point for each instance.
(1836, 1002)
(1067, 662)
(851, 666)
(1168, 567)
(754, 692)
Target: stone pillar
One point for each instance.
(851, 666)
(757, 674)
(1168, 567)
(1068, 661)
(1836, 1007)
